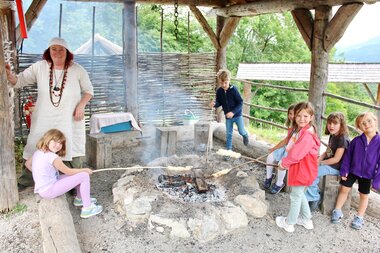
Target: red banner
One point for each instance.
(21, 18)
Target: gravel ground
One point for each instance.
(108, 232)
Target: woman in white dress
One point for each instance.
(64, 89)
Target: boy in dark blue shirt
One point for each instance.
(229, 98)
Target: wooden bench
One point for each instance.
(99, 146)
(57, 227)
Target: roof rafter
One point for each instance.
(205, 3)
(265, 7)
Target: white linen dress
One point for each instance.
(45, 116)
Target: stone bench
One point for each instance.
(99, 146)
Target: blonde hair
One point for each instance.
(337, 117)
(361, 116)
(309, 108)
(55, 135)
(223, 75)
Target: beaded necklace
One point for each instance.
(55, 91)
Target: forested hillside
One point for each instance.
(266, 38)
(368, 51)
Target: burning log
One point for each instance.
(201, 184)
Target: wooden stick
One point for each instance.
(257, 160)
(219, 173)
(208, 141)
(129, 168)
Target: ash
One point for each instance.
(189, 194)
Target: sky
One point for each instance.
(363, 27)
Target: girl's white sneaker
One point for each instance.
(281, 222)
(306, 223)
(90, 211)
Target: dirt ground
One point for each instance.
(109, 232)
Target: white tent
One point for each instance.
(101, 45)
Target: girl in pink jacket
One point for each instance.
(302, 165)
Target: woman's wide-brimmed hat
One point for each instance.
(60, 42)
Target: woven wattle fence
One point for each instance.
(168, 84)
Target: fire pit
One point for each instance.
(191, 189)
(188, 201)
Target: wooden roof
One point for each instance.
(246, 7)
(338, 72)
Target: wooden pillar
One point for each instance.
(10, 14)
(247, 97)
(8, 181)
(319, 64)
(130, 56)
(221, 52)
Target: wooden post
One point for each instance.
(247, 97)
(8, 181)
(319, 64)
(130, 56)
(10, 14)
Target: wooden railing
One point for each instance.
(247, 105)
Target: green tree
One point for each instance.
(269, 38)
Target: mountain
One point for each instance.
(368, 52)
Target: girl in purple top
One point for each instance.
(360, 162)
(46, 163)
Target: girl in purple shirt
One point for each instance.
(46, 163)
(360, 162)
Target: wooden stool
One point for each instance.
(202, 135)
(330, 186)
(166, 139)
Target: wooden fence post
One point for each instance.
(247, 97)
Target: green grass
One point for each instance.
(18, 209)
(266, 133)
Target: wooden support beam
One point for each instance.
(31, 16)
(319, 65)
(305, 22)
(8, 180)
(339, 24)
(206, 27)
(130, 56)
(227, 31)
(370, 93)
(206, 3)
(221, 52)
(260, 7)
